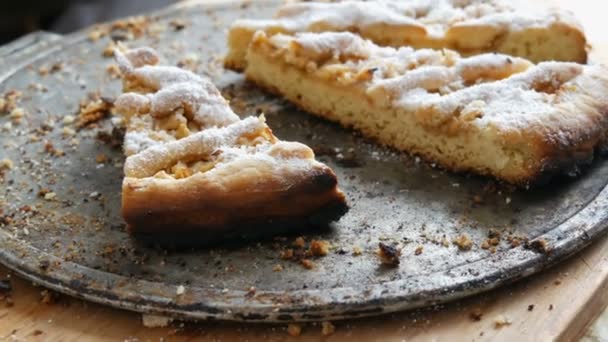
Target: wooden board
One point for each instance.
(576, 290)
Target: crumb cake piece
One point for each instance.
(491, 114)
(193, 165)
(467, 26)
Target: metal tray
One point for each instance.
(76, 243)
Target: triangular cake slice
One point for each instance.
(193, 165)
(468, 26)
(491, 114)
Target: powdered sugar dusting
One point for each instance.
(174, 116)
(431, 18)
(488, 91)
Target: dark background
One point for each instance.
(18, 17)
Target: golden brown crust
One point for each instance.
(152, 207)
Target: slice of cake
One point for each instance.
(193, 165)
(467, 26)
(491, 114)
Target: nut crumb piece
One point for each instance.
(389, 255)
(294, 330)
(277, 268)
(501, 321)
(180, 290)
(357, 251)
(155, 321)
(309, 265)
(327, 328)
(319, 247)
(418, 250)
(463, 242)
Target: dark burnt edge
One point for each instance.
(245, 233)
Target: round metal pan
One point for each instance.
(61, 225)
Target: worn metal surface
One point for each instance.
(75, 242)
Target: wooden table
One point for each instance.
(559, 303)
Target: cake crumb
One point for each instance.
(319, 247)
(327, 328)
(277, 268)
(389, 255)
(539, 246)
(357, 251)
(501, 321)
(299, 242)
(294, 330)
(418, 250)
(308, 264)
(531, 307)
(180, 290)
(155, 321)
(463, 242)
(6, 164)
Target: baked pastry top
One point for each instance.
(467, 26)
(492, 114)
(193, 165)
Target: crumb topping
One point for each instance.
(179, 125)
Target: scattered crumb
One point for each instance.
(477, 199)
(108, 51)
(463, 242)
(319, 247)
(68, 120)
(37, 332)
(17, 114)
(307, 264)
(557, 282)
(101, 158)
(6, 164)
(501, 321)
(531, 307)
(476, 315)
(177, 24)
(287, 254)
(277, 268)
(550, 307)
(294, 330)
(389, 255)
(539, 246)
(93, 110)
(180, 290)
(114, 71)
(299, 242)
(327, 328)
(49, 196)
(154, 321)
(357, 251)
(418, 250)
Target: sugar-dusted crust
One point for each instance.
(467, 26)
(491, 114)
(194, 167)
